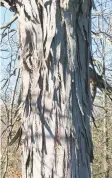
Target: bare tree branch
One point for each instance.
(9, 23)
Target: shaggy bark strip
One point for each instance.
(55, 106)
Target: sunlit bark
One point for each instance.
(55, 104)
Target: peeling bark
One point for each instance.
(55, 105)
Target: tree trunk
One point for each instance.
(55, 104)
(105, 128)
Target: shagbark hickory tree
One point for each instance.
(55, 108)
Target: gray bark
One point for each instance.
(55, 104)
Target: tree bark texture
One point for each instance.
(55, 104)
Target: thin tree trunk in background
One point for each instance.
(92, 131)
(106, 165)
(105, 126)
(106, 152)
(55, 39)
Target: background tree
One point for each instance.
(10, 161)
(102, 47)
